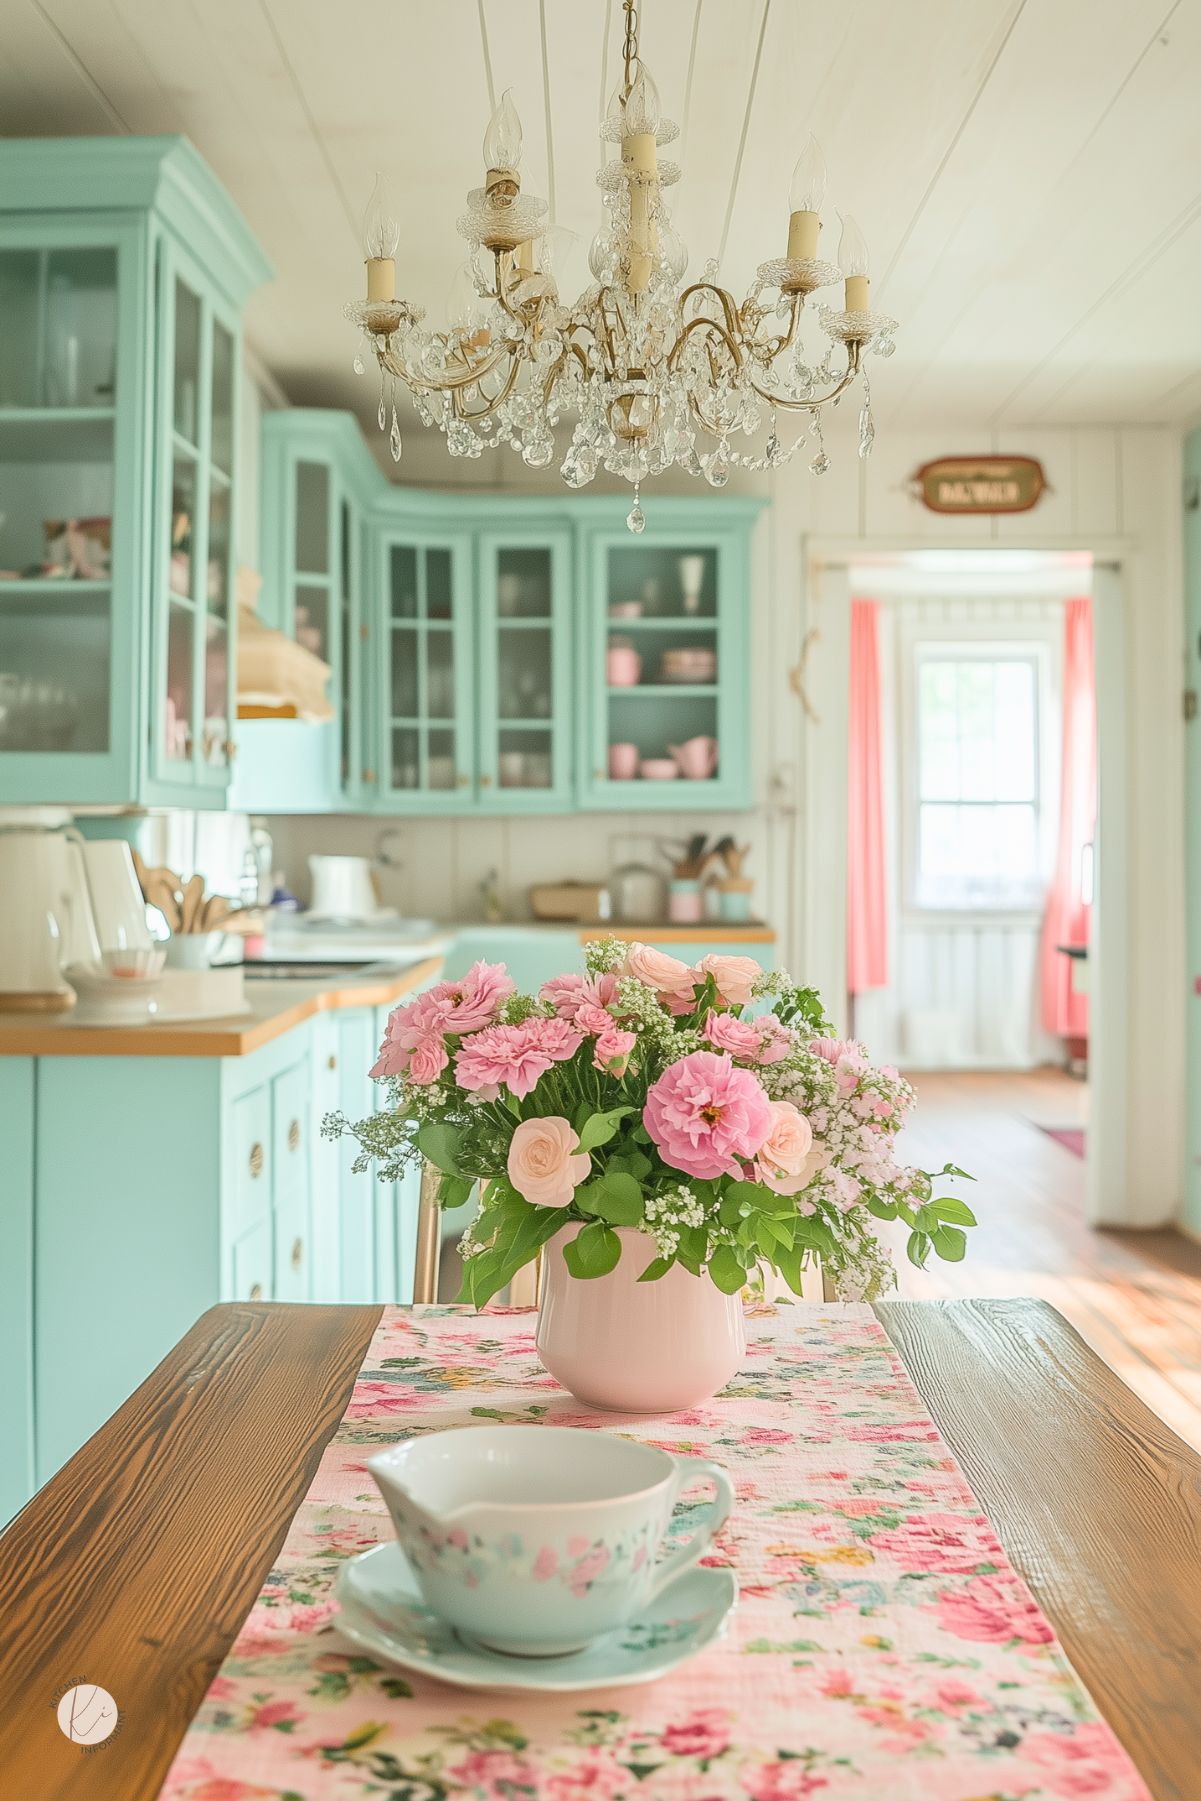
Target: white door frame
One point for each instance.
(827, 565)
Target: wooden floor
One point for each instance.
(1135, 1296)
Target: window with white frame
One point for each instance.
(975, 759)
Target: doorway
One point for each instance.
(999, 942)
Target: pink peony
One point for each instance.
(514, 1057)
(783, 1164)
(992, 1610)
(454, 1007)
(670, 979)
(735, 977)
(544, 1164)
(707, 1116)
(738, 1036)
(613, 1049)
(472, 1003)
(568, 993)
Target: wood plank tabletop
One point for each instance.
(136, 1565)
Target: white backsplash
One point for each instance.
(434, 867)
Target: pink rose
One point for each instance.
(992, 1610)
(495, 1773)
(671, 980)
(568, 993)
(783, 1158)
(702, 1735)
(594, 1777)
(950, 1544)
(738, 1036)
(276, 1713)
(706, 1115)
(543, 1163)
(593, 1020)
(735, 977)
(427, 1061)
(613, 1050)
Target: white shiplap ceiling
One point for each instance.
(1027, 172)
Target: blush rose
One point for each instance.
(543, 1163)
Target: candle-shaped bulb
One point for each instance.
(642, 107)
(852, 248)
(673, 250)
(808, 188)
(852, 260)
(502, 140)
(381, 227)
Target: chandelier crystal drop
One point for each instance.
(652, 375)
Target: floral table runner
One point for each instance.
(883, 1646)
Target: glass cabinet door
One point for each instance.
(665, 674)
(525, 672)
(60, 564)
(427, 742)
(199, 420)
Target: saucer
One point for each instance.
(383, 1613)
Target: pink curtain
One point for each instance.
(1067, 913)
(867, 907)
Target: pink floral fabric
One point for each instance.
(883, 1646)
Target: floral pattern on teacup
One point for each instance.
(578, 1564)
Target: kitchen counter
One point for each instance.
(276, 1007)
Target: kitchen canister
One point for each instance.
(685, 904)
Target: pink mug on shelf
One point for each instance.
(697, 759)
(623, 762)
(623, 666)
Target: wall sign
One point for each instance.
(984, 484)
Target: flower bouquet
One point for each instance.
(694, 1124)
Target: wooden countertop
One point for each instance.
(714, 929)
(276, 1007)
(135, 1566)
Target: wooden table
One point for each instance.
(136, 1565)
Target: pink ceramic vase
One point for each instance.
(637, 1347)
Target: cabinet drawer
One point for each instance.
(293, 1250)
(252, 1274)
(251, 1158)
(291, 1129)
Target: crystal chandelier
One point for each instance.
(653, 375)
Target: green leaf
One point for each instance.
(599, 1128)
(769, 1236)
(629, 1163)
(949, 1242)
(658, 1266)
(746, 1194)
(726, 1271)
(455, 1191)
(789, 1265)
(614, 1196)
(440, 1144)
(594, 1251)
(952, 1211)
(918, 1249)
(882, 1209)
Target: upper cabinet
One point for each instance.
(497, 655)
(124, 269)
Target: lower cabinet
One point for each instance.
(140, 1191)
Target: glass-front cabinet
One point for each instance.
(425, 749)
(524, 669)
(123, 271)
(663, 667)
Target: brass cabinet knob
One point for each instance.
(462, 780)
(485, 781)
(368, 775)
(256, 1291)
(230, 747)
(331, 1062)
(294, 1135)
(257, 1159)
(297, 1253)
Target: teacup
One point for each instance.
(536, 1540)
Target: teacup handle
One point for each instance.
(704, 1533)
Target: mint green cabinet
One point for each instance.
(17, 1226)
(424, 750)
(124, 269)
(524, 667)
(664, 657)
(1192, 772)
